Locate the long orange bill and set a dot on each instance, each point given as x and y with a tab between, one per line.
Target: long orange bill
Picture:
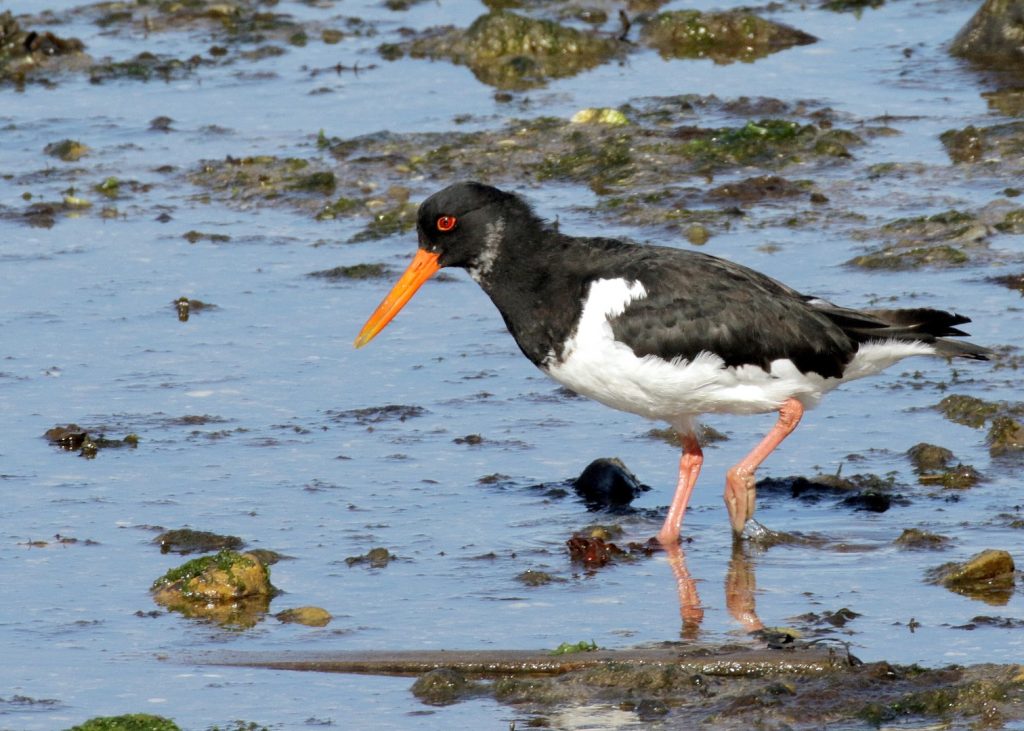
423	266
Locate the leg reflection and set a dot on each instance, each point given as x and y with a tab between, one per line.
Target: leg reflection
690	608
740	585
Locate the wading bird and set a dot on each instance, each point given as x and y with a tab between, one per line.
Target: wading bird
668	334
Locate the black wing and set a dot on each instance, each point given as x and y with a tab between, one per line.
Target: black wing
698	303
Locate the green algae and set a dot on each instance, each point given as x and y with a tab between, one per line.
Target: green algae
724	37
128	722
568	648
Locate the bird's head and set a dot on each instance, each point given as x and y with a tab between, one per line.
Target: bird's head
460	226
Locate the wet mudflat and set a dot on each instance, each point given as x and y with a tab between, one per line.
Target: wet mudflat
261	163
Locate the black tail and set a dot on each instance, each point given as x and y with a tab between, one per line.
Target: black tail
919	324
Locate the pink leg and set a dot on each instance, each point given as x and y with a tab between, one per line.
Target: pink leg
739	480
689	470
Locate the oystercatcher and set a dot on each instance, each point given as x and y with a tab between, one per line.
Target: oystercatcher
668	334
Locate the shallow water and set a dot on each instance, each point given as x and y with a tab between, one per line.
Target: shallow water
90	336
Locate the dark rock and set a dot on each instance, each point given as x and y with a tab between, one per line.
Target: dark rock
992	37
441	687
185	541
915	538
608	483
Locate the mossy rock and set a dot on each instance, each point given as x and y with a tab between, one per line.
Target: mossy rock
510	51
988	576
309	616
67	150
992	37
186	540
724	37
227	587
442	687
128	722
967	410
1005	436
917	539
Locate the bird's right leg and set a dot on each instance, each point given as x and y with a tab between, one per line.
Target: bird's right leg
689	469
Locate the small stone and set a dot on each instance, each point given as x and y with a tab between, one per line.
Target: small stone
929	457
917	539
1005	436
440	687
309	616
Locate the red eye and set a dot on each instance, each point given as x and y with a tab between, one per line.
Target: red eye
446	223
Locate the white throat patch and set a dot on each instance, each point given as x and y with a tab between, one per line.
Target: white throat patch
494	233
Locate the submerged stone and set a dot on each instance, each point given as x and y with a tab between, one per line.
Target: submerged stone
186	540
992	37
227	587
989	576
67	150
986	145
442	687
929	457
510	51
723	37
1005	436
355	271
967	410
932	464
917	539
309	616
375	558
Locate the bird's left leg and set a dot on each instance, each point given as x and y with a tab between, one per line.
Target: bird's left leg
739	480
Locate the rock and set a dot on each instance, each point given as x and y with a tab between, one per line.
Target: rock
227	587
441	687
994	36
1005	436
608	483
989	576
915	538
929	457
377	558
967	410
309	616
723	37
186	540
531	577
128	722
510	51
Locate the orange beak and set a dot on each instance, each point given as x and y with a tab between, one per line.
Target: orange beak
423	266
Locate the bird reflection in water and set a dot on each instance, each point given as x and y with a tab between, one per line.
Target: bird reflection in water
740	585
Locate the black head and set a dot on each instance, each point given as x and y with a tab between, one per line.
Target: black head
465	223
